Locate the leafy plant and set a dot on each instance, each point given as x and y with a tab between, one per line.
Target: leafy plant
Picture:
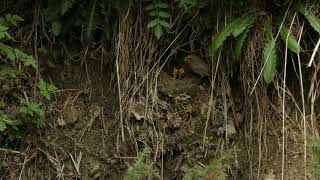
186	4
270	58
46	88
312	19
35	112
235	28
140	169
293	44
6	120
214	170
160	12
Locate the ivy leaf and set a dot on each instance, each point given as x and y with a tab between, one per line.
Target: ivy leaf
164	24
153	23
158	31
312	19
293	44
56	28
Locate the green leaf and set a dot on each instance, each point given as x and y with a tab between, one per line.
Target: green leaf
162	5
46	88
239	44
27	60
153	13
56	28
13	19
2	126
10	72
7	51
312	19
164	24
32	108
236	27
164	14
293	44
4	33
150	7
153	23
270	58
158	31
42	50
241	24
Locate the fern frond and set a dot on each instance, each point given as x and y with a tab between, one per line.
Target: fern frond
242	24
235	28
293	44
270	58
239	44
312	19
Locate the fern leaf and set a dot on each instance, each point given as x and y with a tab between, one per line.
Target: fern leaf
312	19
162	5
293	44
150	7
239	44
153	13
164	14
235	28
153	23
164	24
158	31
270	60
241	24
7	51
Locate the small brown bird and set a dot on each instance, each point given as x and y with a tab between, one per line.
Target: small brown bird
178	73
197	65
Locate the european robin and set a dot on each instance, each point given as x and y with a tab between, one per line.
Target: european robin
197	65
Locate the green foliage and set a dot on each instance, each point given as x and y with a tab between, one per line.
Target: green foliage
312	19
315	163
56	28
6	120
26	59
293	44
34	112
16	69
46	88
239	44
140	169
270	57
235	28
159	11
214	170
186	4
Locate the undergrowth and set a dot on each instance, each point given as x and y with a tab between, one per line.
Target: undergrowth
21	107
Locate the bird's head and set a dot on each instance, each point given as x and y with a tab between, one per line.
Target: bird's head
188	59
